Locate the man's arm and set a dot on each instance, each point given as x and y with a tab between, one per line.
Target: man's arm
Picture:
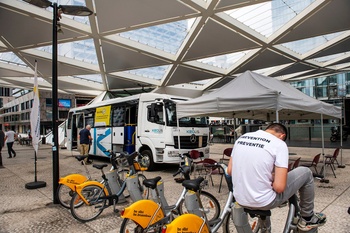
229	167
280	179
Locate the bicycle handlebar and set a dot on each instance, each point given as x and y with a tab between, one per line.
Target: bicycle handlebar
185	170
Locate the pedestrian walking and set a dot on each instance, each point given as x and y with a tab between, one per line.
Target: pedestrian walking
10	137
85	140
2	143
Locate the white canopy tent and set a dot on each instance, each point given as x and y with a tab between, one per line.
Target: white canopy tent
254	96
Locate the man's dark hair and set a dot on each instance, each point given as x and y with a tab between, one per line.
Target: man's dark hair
278	128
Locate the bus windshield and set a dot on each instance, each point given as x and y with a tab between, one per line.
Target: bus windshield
170	111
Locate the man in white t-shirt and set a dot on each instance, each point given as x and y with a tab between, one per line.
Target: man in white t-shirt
10	137
259	168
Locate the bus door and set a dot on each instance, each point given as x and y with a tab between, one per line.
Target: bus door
130	129
153	124
77	124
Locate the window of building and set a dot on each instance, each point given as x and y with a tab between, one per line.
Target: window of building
48	102
62	114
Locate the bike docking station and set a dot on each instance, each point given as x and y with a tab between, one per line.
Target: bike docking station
115	187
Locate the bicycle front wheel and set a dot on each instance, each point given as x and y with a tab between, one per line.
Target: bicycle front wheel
64	195
129	226
96	203
210	204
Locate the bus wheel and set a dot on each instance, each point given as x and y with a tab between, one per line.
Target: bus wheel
147	160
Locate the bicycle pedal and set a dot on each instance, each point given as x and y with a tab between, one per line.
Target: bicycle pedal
295	220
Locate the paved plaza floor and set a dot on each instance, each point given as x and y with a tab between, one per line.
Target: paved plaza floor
32	210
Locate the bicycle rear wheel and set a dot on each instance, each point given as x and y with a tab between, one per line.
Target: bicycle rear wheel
229	227
64	195
210	204
87	212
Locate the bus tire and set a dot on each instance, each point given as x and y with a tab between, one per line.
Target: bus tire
147	160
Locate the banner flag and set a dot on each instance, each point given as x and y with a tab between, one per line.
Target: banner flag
35	113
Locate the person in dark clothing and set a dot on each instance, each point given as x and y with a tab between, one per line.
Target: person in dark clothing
2	143
85	140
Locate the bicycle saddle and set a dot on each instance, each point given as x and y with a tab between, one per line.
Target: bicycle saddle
99	166
80	157
261	213
151	183
193	185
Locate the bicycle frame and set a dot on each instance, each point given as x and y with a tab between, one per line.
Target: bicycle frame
80	187
227	210
241	219
107	189
194	223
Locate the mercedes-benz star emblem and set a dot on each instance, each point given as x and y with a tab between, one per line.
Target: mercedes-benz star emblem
193	138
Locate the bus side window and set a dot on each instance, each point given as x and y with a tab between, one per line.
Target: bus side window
118	116
89	121
80	122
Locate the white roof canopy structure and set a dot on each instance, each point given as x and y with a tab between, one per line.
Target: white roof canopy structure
199	44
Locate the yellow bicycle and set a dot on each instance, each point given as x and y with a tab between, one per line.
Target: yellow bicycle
92	197
66	187
152	215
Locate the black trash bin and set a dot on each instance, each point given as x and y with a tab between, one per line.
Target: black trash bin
43	140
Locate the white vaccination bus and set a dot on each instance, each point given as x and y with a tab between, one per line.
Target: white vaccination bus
145	122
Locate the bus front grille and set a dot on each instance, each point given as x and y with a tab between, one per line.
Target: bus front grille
186	143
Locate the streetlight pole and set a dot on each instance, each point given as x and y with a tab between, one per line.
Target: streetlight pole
55	145
70	10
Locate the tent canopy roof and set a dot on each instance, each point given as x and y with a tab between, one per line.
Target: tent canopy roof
254	96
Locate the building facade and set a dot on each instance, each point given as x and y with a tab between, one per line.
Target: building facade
15	114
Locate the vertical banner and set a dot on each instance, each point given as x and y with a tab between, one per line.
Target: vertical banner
35	114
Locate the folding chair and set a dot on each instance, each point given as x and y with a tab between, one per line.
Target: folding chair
313	163
290	166
330	160
197	164
226	155
296	163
